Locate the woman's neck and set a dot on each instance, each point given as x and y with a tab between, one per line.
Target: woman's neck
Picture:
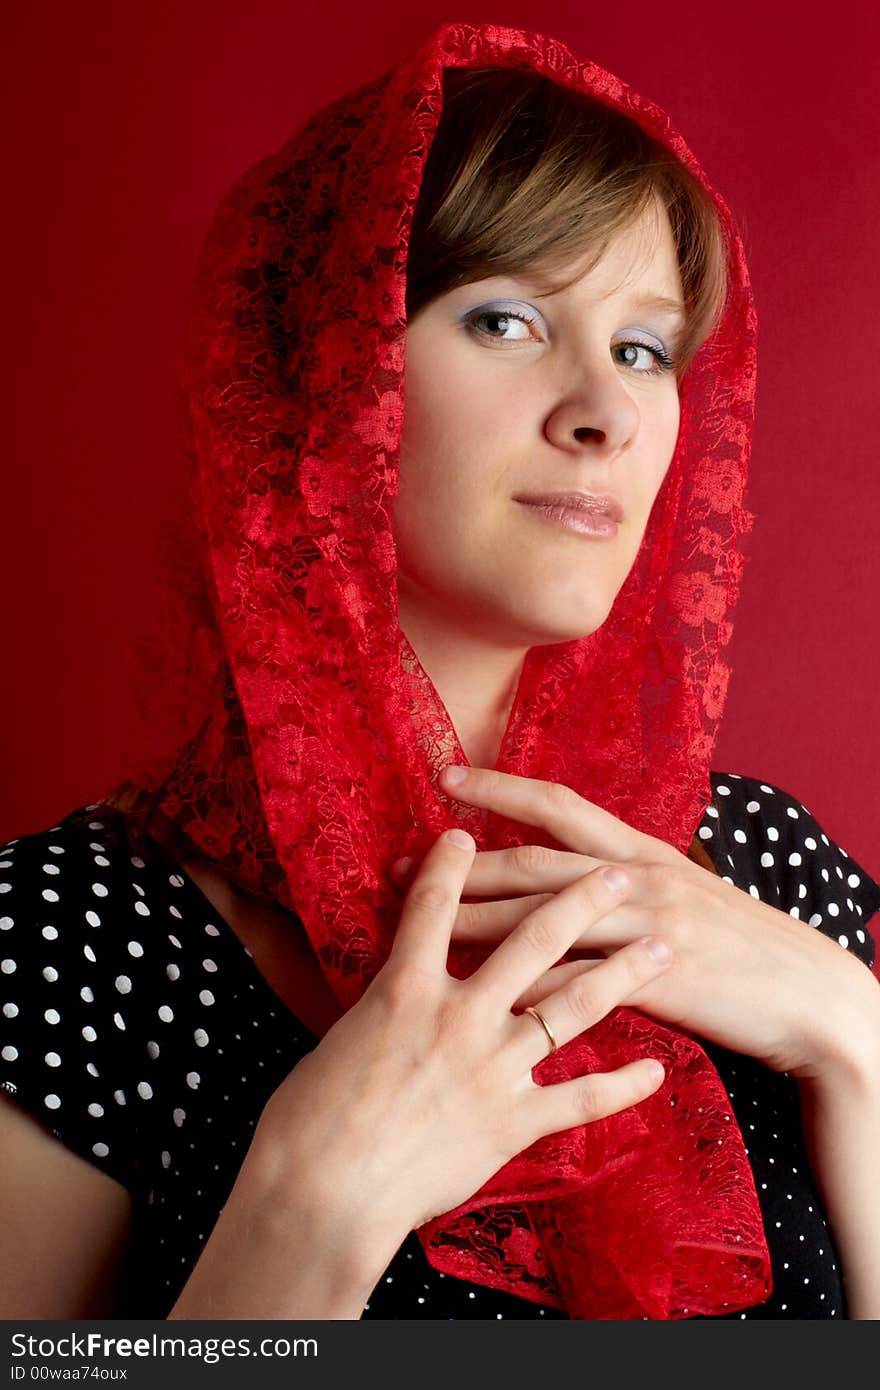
475	678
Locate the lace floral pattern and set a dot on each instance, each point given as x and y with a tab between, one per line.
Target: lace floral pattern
294	737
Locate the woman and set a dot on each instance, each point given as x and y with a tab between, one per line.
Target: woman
433	1095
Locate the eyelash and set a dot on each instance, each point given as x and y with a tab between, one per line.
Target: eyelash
664	363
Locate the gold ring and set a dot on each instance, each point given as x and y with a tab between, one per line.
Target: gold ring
545	1025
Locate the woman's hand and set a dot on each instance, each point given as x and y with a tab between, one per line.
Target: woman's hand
423	1089
745	975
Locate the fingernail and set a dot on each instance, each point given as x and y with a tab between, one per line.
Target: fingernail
460	838
616	879
656	1071
657	949
454	774
401	866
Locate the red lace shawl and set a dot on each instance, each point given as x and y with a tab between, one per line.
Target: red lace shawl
297	740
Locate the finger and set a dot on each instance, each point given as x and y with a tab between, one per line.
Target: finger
567	1104
522	869
554	979
573	821
493	921
583	1001
425	928
546	934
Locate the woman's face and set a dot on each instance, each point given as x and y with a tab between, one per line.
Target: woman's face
575	399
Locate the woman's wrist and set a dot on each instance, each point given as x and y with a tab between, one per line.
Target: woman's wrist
278	1251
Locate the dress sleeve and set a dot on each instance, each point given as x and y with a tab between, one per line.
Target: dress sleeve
62	1047
774	847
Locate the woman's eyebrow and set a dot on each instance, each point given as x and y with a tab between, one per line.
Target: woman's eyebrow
659	302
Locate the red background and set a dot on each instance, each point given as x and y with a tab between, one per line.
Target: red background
126	124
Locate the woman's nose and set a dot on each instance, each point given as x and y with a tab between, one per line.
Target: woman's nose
598	415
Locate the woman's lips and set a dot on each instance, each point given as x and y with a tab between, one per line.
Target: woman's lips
587	523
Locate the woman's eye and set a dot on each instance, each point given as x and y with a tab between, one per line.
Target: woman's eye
644	357
499	322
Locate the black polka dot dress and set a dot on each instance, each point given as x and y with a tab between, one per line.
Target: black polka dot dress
136	1027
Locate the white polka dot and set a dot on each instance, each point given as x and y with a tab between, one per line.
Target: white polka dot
767	860
86	994
96	825
844	940
50	895
142	909
5	887
96	1109
99	890
201	1037
211	930
165	1013
9	1053
135	948
173	972
123	984
52	1016
193	1079
50	933
92	1069
119	1021
205	996
772	832
810	842
179	1116
11	1010
795	859
89	1033
100	1150
833	909
790	811
51	869
119	1097
740	836
101	861
93	919
816	919
138	863
52	1101
753	891
174	941
209	965
52	1059
153	1050
6	923
753	806
860	936
174	913
704	832
853	880
176	881
144	1090
49	972
8	966
166	1159
89	954
56	849
794	912
768	790
722	791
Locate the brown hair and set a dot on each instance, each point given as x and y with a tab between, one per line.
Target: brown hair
524	174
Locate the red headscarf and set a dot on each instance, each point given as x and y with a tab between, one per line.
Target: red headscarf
297	740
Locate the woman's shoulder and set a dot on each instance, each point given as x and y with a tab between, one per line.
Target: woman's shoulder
74	918
766	841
